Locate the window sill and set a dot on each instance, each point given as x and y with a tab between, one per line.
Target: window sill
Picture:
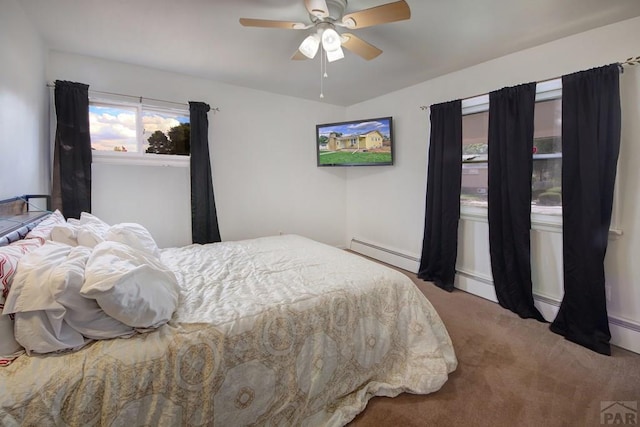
550	222
141	160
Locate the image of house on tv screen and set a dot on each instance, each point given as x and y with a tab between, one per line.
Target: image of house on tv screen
355	143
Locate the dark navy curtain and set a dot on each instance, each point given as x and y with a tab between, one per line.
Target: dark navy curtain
442	210
204	219
71	184
591	126
511	113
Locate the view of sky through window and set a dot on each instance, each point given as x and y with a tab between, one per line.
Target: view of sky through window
114	127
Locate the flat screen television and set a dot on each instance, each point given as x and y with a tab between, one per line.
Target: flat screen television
366	142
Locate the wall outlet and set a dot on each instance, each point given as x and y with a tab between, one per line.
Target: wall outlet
607	292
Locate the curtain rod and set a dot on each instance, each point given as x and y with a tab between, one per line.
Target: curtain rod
634	60
140	98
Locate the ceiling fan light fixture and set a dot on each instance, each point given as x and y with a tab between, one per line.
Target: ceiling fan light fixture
309	46
330	40
334	55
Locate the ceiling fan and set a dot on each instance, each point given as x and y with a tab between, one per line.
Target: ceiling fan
325	16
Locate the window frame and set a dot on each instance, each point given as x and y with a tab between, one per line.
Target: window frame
545	91
140	157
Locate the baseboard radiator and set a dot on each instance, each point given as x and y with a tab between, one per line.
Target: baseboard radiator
624	333
386	255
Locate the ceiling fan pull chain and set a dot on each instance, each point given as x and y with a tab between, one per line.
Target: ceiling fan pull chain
324	59
321	74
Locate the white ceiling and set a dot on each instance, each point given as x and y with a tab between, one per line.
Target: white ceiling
203	38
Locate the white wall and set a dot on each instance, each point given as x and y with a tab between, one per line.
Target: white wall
397	194
23	114
262	150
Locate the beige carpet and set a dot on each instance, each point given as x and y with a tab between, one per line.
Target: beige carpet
511	372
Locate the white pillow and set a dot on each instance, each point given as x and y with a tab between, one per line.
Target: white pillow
87	218
82	314
90	233
39	319
134	235
130	285
10	255
90	229
32	275
10	349
43	331
43	229
65	233
89	237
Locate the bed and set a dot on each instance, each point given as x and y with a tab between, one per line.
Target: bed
272	331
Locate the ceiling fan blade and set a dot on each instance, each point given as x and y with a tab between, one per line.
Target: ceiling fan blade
359	46
298	56
265	23
390	12
317	8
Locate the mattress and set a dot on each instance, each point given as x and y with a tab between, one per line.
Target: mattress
278	330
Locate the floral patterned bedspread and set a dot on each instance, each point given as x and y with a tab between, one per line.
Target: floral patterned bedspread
276	331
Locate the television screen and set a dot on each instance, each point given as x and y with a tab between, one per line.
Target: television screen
367	142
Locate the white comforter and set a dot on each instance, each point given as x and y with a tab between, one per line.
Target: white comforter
271	331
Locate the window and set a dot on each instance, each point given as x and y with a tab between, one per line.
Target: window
475	151
546	180
547	151
128	131
113	128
